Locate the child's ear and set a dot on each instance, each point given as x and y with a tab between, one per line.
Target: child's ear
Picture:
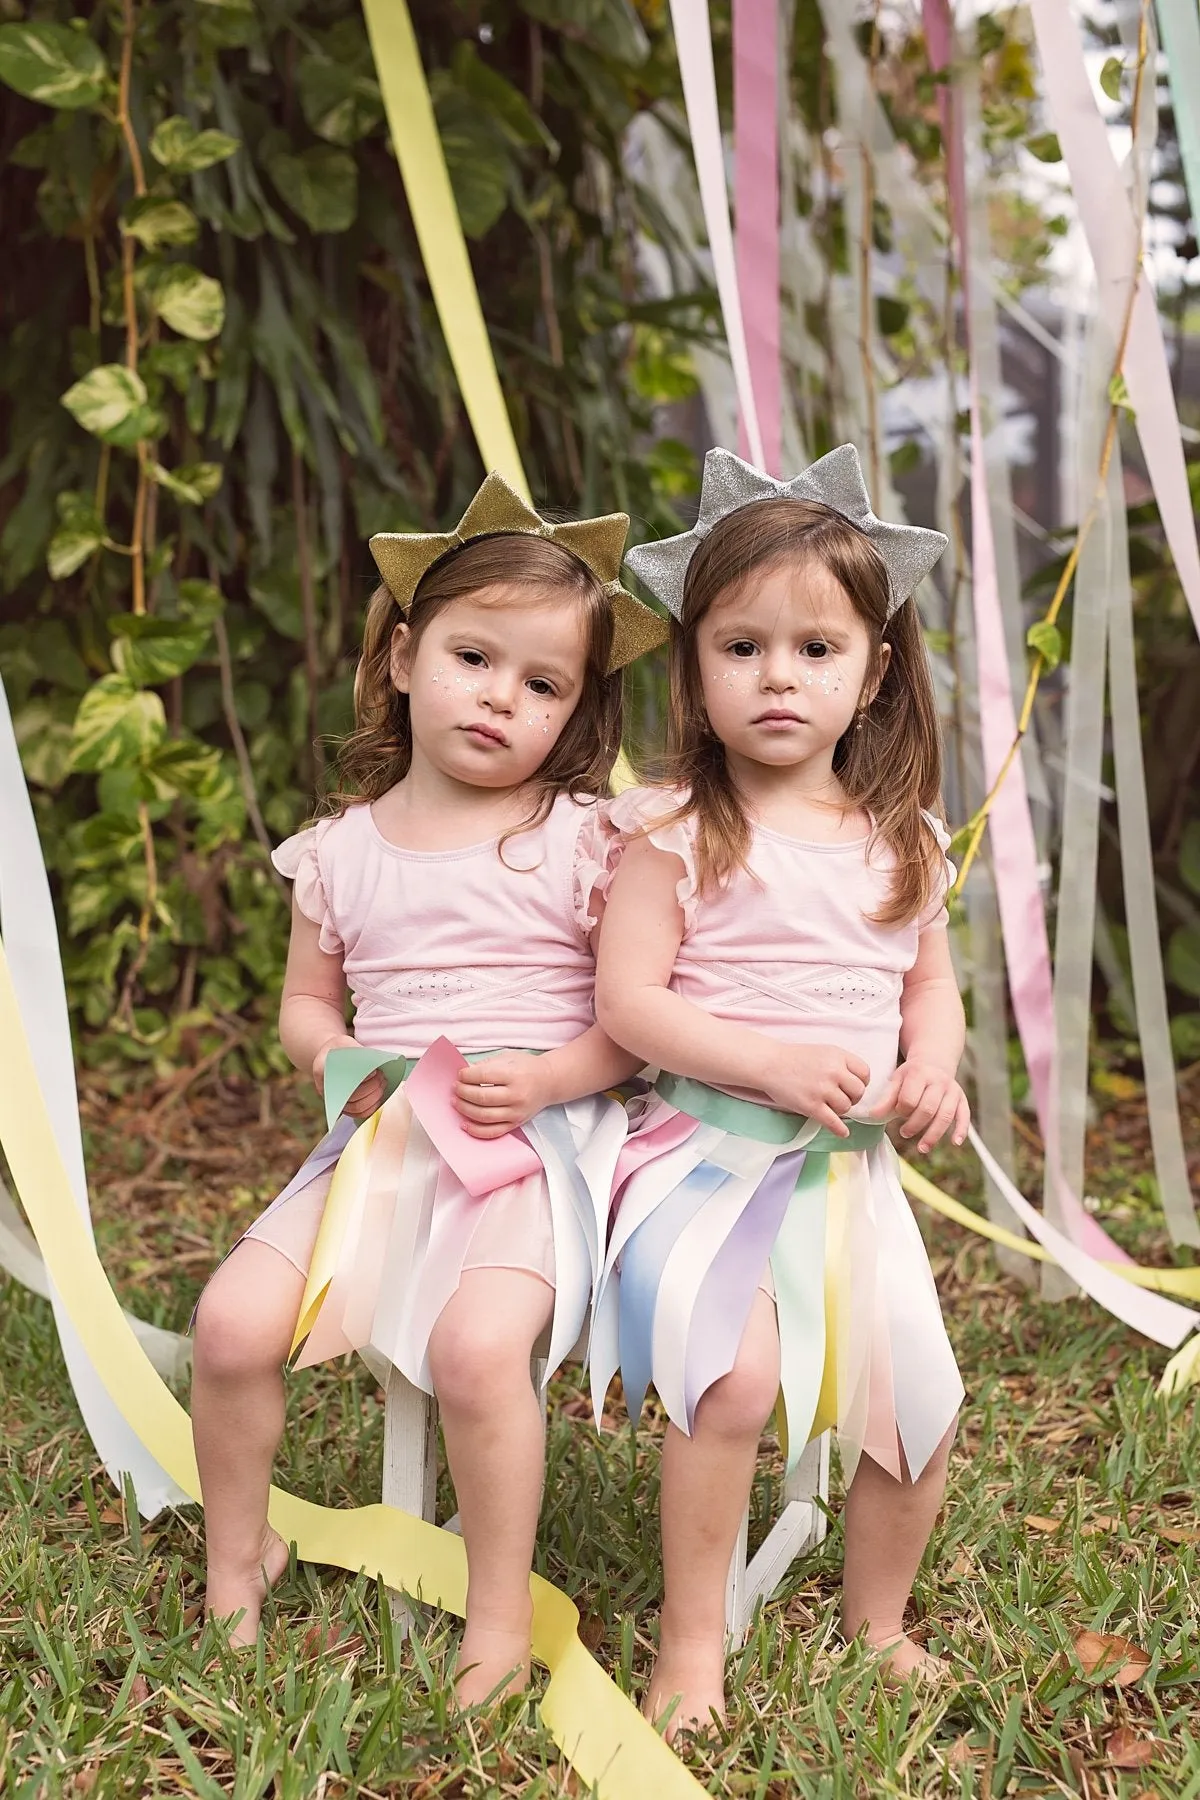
401	658
873	686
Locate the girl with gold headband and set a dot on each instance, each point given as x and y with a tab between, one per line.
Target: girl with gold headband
455	891
774	942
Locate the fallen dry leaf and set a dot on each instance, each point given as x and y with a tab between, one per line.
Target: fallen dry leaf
961	1752
1117	1659
1126	1750
329	1642
139	1691
1037	1522
1178	1534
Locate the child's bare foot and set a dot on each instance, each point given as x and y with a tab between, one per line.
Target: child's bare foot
492	1663
245	1591
902	1661
694	1670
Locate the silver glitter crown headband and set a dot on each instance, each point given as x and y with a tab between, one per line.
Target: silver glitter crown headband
908	551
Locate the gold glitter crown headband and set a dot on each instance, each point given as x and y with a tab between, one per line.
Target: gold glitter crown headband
908	551
403	557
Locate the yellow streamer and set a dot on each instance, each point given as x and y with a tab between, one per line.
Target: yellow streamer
439	234
1184	1284
601	1732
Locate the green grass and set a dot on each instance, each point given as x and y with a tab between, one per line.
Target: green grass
1071	1507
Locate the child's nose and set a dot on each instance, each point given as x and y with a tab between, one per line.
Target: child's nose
500	691
777	670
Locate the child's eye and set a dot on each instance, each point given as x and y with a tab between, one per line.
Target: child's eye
743	647
815	650
541	687
474	659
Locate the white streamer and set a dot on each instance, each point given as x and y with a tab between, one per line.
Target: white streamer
30	936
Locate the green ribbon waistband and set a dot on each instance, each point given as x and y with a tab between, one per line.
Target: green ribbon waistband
746	1118
349	1065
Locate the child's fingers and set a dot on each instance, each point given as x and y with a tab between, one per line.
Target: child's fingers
825	1115
921	1112
943	1118
497	1095
479	1114
888	1099
487	1131
962	1119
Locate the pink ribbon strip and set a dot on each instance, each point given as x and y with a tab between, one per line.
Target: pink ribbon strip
1112	235
756	213
481	1164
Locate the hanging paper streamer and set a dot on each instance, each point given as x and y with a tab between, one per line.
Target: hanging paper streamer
28	924
756	212
1113	239
1179	24
693	46
439	233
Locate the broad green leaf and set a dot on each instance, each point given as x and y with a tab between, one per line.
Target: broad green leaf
612	26
159	223
478	159
1046	641
506	103
276	593
893	314
1189	856
151	650
1185	1037
190	303
320	184
1110	77
661	366
179	146
80	534
672	467
191	483
1183	959
340	104
116	723
182	766
200	602
45	742
1045	146
106	399
52	63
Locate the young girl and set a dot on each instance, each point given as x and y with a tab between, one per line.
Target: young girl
774	932
453	896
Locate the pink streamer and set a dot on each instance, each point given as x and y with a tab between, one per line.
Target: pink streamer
756	213
481	1164
1014	848
1112	235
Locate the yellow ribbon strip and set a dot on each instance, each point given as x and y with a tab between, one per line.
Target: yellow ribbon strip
439	234
1183	1283
596	1727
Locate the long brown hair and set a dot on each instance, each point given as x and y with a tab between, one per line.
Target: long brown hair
890	761
378	752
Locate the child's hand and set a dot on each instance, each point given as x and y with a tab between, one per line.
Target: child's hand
819	1081
929	1100
367	1097
501	1092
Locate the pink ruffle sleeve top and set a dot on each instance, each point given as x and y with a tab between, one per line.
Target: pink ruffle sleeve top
490	949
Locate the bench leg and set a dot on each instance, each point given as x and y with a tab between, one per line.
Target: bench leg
800	1526
410	1443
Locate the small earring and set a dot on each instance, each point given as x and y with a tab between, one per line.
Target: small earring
859	717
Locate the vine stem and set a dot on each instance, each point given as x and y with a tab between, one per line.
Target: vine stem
977	825
308	604
128	252
865	297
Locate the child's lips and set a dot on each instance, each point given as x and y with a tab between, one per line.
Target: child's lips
778	718
487	734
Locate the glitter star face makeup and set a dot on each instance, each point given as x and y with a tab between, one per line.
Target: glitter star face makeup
784	664
492	682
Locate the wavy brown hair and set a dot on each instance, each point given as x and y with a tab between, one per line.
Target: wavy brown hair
378	752
889	763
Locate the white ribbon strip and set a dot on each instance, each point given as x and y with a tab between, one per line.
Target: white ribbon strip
693	44
30	936
1113	239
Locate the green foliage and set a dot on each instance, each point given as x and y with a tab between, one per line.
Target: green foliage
222	370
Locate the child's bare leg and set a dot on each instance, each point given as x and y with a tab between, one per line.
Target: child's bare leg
706	1482
244	1327
888	1523
479	1355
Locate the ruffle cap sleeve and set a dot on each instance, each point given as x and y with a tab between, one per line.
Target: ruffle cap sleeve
299	859
935	913
645	812
594	863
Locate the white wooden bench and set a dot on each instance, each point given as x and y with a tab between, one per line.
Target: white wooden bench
410	1469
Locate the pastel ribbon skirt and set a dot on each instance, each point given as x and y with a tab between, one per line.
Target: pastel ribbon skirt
383	1230
715	1198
